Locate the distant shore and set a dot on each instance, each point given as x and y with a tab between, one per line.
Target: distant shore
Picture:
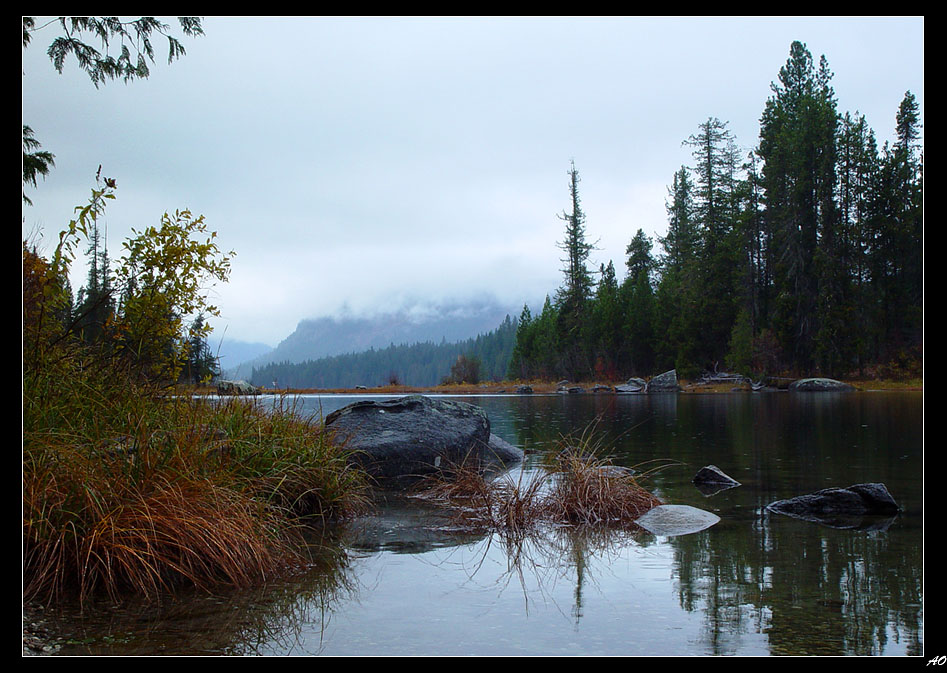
549	387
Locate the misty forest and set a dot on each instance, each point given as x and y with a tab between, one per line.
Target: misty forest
801	256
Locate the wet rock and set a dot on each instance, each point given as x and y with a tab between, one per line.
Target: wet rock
236	388
671	520
399	441
616	471
500	452
840	507
664	383
524	390
820	385
710	479
632	385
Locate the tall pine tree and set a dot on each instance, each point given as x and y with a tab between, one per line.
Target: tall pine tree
573	297
797	146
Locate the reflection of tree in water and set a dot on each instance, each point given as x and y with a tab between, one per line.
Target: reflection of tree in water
576	547
551	554
724	582
813	590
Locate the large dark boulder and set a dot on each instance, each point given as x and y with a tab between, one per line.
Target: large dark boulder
840	507
399	441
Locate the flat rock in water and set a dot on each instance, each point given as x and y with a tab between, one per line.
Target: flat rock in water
676	520
500	452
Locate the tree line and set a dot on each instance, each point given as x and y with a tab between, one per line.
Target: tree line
802	255
482	358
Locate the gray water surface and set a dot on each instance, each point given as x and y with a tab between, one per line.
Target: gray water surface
404	582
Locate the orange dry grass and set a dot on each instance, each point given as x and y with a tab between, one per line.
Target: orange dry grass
115	536
590	491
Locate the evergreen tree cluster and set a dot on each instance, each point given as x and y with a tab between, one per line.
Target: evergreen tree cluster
419	364
802	255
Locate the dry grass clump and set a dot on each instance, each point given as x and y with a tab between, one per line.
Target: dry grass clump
575	487
593	491
147	540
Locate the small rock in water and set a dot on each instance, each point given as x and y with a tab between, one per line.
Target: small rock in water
673	520
710	480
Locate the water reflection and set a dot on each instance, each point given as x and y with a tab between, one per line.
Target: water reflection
810	589
407	581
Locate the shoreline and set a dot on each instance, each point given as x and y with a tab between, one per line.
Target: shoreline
548	388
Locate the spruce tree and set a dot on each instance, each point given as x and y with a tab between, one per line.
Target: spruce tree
715	271
797	146
606	325
639	308
675	297
572	298
95	303
520	366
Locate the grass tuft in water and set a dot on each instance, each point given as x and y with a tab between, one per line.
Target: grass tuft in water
575	487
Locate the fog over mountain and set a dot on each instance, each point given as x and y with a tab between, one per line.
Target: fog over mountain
321	337
231	353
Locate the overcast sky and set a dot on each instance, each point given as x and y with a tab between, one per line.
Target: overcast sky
356	164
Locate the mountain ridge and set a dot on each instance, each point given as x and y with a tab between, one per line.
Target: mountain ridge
329	336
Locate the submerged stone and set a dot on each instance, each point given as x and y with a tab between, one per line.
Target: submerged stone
673	520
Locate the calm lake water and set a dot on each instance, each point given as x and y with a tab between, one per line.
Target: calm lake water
402	582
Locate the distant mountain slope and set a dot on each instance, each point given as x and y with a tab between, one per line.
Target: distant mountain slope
319	338
418	364
231	353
